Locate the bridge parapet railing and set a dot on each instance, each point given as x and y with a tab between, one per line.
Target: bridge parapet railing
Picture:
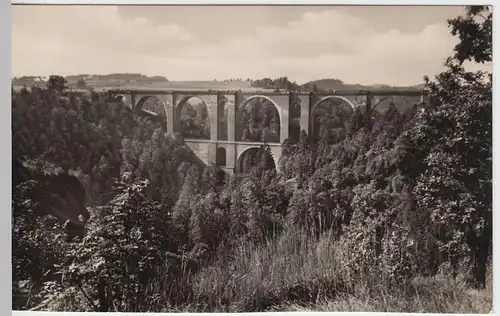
274	93
208	141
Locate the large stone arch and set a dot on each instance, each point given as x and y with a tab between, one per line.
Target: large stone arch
211	119
330	97
374	106
241	107
401	97
140	103
333	97
159	116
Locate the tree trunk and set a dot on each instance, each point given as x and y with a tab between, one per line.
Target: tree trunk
481	252
103	299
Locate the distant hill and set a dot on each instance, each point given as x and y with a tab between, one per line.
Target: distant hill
140	81
93	80
419	86
121	77
336	84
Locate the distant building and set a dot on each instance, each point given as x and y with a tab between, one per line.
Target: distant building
39	81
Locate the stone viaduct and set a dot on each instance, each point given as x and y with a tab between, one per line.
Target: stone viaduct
228	153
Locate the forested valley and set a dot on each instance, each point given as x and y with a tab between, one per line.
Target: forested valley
387	212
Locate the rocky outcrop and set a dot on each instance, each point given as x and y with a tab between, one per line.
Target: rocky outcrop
54	192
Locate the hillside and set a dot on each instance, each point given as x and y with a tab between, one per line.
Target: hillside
94	80
140	81
116	76
336	84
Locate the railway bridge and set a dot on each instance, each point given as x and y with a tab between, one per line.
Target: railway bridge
228	151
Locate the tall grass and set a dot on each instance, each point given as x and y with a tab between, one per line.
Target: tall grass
299	272
429	295
293	267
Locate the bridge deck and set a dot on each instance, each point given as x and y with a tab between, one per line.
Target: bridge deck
207	141
269	93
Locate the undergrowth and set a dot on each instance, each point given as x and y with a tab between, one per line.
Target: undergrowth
298	272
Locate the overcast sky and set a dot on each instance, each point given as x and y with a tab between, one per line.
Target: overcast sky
357	44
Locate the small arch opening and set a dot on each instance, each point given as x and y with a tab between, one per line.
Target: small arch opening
255	157
118	98
220	157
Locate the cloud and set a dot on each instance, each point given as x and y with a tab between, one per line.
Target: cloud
334	44
326	44
52	34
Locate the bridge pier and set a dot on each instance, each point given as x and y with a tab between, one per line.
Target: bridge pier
304	112
231	157
231	120
168	103
283	104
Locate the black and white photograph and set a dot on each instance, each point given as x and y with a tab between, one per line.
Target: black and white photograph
251	158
